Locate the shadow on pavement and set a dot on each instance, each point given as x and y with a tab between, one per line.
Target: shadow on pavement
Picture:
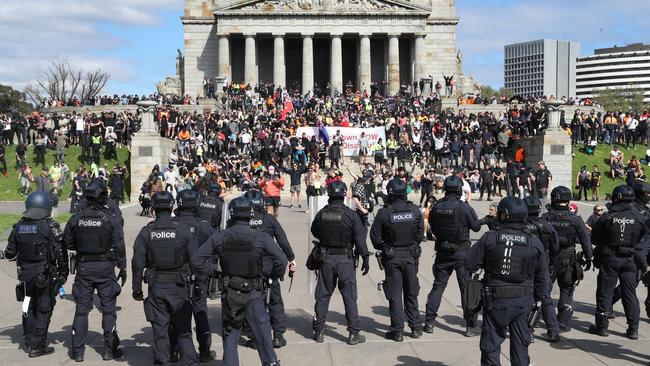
608	349
412	361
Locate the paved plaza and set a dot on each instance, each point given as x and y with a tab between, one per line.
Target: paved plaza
446	346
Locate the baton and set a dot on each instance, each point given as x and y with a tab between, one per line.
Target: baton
291	273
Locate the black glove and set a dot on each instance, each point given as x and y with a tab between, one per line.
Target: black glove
61	279
122	276
138	295
365	266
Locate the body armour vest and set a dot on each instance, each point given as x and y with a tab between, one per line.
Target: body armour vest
208	210
93	233
257	222
32	240
447	220
239	257
623	229
166	250
193	225
536	228
512	259
332	232
563	224
403	228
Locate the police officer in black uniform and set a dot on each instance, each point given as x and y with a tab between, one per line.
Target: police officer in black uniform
187	201
95	234
617	235
516	268
339	230
110	205
36	244
267	223
569	227
546	233
164	247
450	221
211	206
240	249
398	231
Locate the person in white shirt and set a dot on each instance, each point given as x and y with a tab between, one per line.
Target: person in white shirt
245	138
171	180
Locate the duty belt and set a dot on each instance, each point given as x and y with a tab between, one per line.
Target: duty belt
499	292
449	246
337	251
399	252
619	252
95	257
167	277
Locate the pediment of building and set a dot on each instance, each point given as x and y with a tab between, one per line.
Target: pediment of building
324	7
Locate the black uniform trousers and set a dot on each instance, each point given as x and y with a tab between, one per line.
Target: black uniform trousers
563	273
402	284
501	315
258	320
91	276
613	269
37	320
618	294
548	310
168	305
276	308
200	314
336	270
445	263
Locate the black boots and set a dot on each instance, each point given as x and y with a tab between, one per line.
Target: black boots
278	340
319	336
355	338
394	335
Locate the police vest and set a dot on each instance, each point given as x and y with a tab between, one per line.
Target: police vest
403	228
209	210
193	225
93	234
238	255
166	250
32	240
512	259
563	224
332	232
257	222
536	228
622	229
447	218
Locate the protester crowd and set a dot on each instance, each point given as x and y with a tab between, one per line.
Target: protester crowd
114	100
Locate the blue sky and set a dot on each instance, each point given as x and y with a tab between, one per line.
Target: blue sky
136	40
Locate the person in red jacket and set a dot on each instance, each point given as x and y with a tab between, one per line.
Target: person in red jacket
272	184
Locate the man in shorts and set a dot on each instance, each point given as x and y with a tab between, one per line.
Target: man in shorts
272	184
295	173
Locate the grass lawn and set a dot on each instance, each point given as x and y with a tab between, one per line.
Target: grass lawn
601	158
9	186
8	220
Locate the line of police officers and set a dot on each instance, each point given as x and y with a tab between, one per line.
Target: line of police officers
521	256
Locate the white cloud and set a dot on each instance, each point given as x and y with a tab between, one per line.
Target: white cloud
486	27
34	31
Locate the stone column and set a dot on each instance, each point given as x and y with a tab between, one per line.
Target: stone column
250	60
224	58
336	64
365	74
393	64
418	69
307	63
279	68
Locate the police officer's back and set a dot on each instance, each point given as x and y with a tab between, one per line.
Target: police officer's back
240	249
618	235
546	233
450	221
262	220
339	231
109	205
95	234
164	247
211	206
36	244
516	268
565	267
188	201
397	232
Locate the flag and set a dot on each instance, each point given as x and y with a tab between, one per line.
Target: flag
323	135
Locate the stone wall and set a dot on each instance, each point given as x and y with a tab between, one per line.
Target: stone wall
201	54
554	148
147	150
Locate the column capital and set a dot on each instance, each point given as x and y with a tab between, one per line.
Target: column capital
308	35
417	35
250	35
366	35
336	35
394	35
278	35
224	35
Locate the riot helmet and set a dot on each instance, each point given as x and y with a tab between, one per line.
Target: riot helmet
622	193
512	210
241	208
187	199
38	206
396	187
257	199
642	192
560	195
162	201
533	205
453	185
337	190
